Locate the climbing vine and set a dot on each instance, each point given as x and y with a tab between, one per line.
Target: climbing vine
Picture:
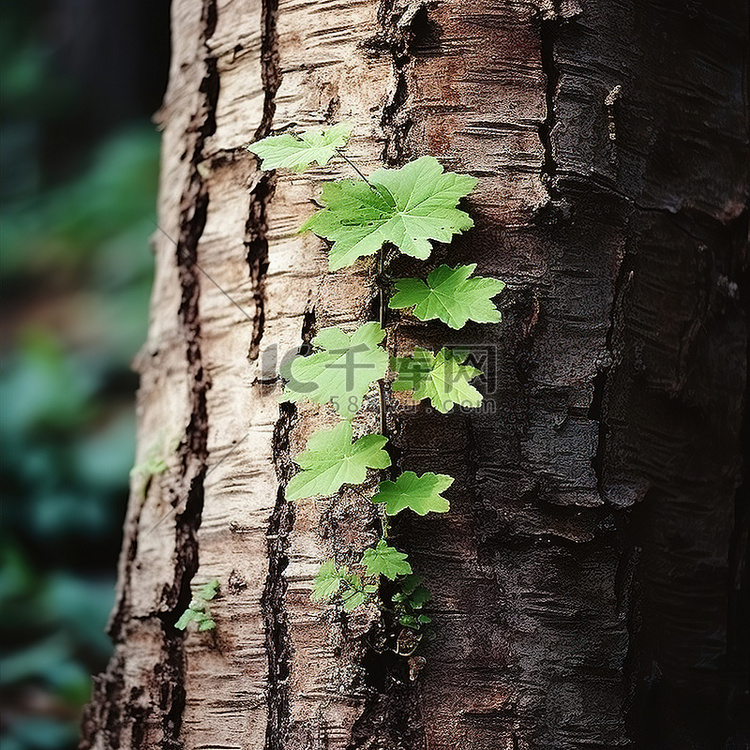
402	211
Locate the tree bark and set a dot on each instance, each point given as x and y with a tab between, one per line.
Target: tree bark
588	584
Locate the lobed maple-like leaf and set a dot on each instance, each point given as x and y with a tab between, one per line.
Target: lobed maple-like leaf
328	581
439	377
297	152
420	494
450	295
386	561
407	207
332	460
341	369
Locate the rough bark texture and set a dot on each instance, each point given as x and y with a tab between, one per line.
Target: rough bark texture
589	582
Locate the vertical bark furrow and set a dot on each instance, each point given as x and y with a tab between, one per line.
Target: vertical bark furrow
281	522
548	33
278	642
270	71
194	451
256	243
399	26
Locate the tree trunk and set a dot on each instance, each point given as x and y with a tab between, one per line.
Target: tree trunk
588	583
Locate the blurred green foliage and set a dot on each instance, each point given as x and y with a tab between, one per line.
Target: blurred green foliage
76	276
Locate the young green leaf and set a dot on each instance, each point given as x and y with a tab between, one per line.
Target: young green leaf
439	377
409	621
419	598
340	371
297	152
409	585
386	561
420	494
209	590
332	460
356	592
328	581
352	599
186	617
407	207
450	295
198	608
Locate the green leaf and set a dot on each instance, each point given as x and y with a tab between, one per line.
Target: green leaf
357	593
342	369
352	599
208	591
407	207
419	598
450	295
420	494
439	377
153	465
409	621
297	152
410	584
186	617
328	581
332	460
198	608
386	561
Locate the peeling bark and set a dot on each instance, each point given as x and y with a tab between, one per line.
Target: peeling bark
590	582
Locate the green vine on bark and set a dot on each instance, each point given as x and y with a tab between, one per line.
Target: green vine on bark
406	209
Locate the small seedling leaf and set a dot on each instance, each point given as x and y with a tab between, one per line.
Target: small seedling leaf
332	460
386	561
185	618
328	581
450	295
340	370
297	152
440	377
420	494
352	599
208	591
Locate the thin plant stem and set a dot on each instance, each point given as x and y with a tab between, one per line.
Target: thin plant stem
357	170
382	311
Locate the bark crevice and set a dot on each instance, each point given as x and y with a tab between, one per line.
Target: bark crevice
270	71
193	452
262	190
401	23
278	640
256	243
548	29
